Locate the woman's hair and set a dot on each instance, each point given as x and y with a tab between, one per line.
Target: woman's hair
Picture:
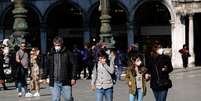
131	65
133	58
102	53
154	49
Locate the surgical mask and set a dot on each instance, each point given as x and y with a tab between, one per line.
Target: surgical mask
160	51
57	48
138	63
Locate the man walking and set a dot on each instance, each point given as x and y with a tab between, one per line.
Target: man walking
61	70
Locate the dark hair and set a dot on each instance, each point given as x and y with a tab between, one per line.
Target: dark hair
102	53
185	46
135	56
58	40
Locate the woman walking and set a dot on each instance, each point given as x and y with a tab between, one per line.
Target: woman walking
136	76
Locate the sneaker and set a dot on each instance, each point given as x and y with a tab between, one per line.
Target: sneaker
20	94
28	95
36	94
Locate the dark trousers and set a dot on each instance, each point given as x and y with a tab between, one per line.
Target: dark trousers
160	95
185	61
21	82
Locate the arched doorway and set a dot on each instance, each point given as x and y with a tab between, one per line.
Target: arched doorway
152	23
33	21
65	20
118	24
197	38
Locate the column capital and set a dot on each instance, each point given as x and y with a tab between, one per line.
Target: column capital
191	16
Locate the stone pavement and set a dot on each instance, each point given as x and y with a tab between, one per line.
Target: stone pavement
186	87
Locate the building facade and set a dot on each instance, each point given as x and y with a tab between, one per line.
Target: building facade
173	22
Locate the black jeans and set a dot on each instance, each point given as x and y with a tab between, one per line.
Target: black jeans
185	61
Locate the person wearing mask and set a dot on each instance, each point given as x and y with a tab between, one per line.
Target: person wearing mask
22	59
137	76
102	80
35	72
159	67
61	70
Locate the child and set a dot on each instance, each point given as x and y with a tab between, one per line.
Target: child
35	85
136	76
102	80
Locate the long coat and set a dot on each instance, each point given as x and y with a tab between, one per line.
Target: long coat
157	63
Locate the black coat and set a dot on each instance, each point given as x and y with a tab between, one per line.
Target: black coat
2	75
68	67
159	62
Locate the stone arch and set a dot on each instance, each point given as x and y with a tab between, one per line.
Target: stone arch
52	6
9	7
37	11
164	2
8	12
93	6
3	14
118	22
66	19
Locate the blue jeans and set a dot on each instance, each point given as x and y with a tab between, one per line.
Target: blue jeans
137	95
21	83
108	93
160	95
58	89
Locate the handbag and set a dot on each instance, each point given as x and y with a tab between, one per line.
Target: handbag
162	83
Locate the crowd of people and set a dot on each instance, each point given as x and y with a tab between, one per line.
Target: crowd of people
101	65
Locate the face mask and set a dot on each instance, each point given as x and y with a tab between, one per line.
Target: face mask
138	63
160	51
57	48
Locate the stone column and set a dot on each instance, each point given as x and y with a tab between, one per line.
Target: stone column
43	45
130	33
178	39
43	38
1	33
191	41
105	29
86	34
20	25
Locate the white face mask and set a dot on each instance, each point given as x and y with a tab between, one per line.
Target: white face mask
57	48
160	51
138	63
